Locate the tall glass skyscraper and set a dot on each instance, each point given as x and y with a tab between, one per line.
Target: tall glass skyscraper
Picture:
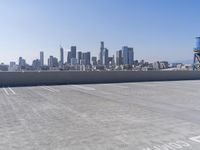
128	55
61	56
73	51
105	57
119	58
101	53
41	59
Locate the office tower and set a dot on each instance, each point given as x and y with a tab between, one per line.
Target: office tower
94	61
113	61
73	51
101	53
79	57
119	58
88	58
36	64
61	56
69	57
130	56
41	59
52	61
105	57
85	59
73	61
127	55
22	62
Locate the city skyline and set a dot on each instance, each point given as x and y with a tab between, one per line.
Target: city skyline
62	55
83	61
73	54
158	30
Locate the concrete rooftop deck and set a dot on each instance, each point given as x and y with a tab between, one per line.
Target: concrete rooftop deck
125	116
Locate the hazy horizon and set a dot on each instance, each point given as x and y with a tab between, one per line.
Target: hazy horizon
157	30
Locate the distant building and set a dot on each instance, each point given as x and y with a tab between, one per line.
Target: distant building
3	67
73	51
88	57
136	62
105	57
22	63
125	55
79	57
160	65
101	53
141	62
61	57
52	62
69	57
188	67
36	64
94	61
13	66
73	61
164	65
85	58
174	65
156	65
111	60
41	59
128	55
119	58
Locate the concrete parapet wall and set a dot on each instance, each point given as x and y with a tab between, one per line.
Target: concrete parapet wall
76	77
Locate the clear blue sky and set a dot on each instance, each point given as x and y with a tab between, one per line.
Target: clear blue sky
157	29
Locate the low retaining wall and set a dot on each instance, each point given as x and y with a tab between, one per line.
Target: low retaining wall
77	77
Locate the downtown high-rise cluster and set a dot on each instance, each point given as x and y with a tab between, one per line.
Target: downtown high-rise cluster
83	61
78	60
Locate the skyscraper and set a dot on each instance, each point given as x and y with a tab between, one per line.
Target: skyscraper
36	64
22	62
73	51
52	61
119	58
94	61
69	57
61	56
79	57
127	55
41	59
88	55
101	53
105	57
130	56
85	59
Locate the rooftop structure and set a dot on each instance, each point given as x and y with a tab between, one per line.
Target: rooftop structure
131	116
196	63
